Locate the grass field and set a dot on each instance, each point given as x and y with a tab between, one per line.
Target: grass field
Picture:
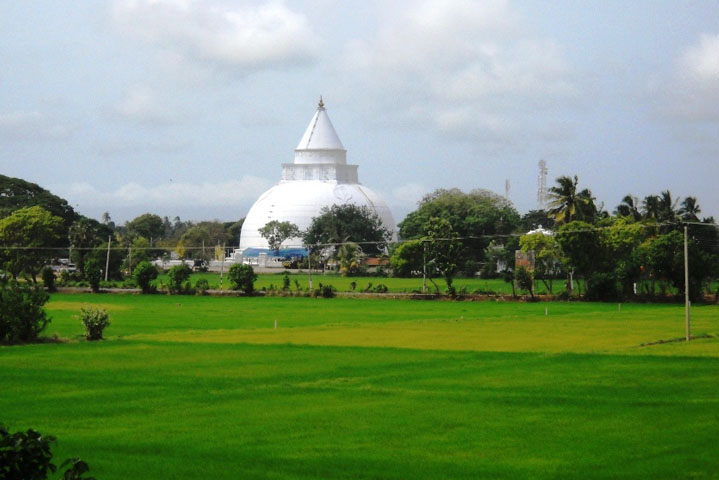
343	284
198	387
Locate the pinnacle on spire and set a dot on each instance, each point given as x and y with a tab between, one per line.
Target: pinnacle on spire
321	104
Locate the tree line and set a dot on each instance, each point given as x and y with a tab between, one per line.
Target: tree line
637	249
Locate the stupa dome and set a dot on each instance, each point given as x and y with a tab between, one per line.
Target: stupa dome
319	177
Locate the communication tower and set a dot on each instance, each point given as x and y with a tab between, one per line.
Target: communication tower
542	185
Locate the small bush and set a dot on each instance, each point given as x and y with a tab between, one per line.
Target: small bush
144	274
178	277
202	286
22	316
26	455
93	274
380	288
242	277
95	320
602	287
324	291
48	278
285	282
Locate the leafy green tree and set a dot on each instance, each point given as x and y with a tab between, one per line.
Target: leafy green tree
198	241
28	235
535	219
178	276
93	273
147	225
144	273
16	194
582	246
479	214
22	317
48	278
84	235
407	259
242	277
525	280
567	203
234	229
276	232
348	223
547	257
443	250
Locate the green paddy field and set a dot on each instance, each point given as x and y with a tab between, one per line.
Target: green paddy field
207	387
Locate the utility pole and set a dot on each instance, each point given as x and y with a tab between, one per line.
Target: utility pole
222	263
687	304
107	260
309	260
424	266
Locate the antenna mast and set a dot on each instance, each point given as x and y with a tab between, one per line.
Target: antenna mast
542	185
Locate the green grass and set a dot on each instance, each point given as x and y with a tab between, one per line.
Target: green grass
395	285
197	387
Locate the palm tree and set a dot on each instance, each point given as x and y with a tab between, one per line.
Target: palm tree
566	204
650	207
667	207
629	207
690	210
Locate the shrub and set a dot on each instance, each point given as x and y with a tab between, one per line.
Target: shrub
144	273
22	316
95	320
26	455
242	277
178	277
202	286
380	288
324	291
602	287
48	278
285	282
93	273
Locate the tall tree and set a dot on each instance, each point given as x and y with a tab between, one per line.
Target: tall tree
276	232
29	235
689	210
651	208
477	216
348	223
147	225
567	203
443	250
629	207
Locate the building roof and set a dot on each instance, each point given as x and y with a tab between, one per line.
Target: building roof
320	134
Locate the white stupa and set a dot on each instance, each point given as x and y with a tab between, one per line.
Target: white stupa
319	177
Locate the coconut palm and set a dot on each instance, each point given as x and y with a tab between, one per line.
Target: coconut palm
689	210
567	204
629	207
650	207
667	207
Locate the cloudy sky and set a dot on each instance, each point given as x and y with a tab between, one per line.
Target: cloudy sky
187	108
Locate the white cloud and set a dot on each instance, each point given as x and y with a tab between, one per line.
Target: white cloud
702	60
693	94
173	194
30	126
218	34
141	104
469	69
408	195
